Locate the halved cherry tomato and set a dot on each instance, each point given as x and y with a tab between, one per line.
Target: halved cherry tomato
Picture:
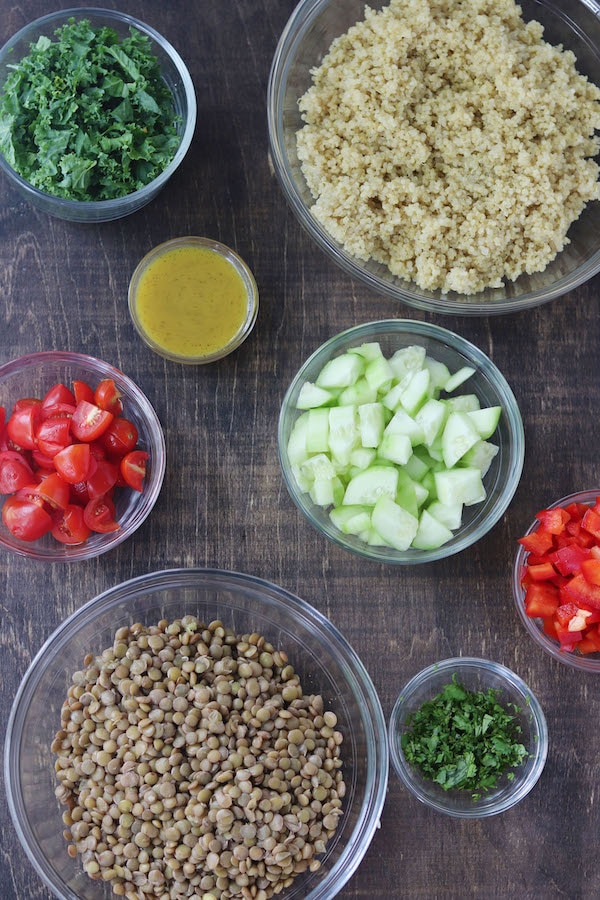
73	463
25	520
69	526
99	515
22	426
133	468
54	491
120	437
82	391
89	421
53	435
15	472
58	393
103	479
107	396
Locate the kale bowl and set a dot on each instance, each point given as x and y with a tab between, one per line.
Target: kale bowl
468	737
97	111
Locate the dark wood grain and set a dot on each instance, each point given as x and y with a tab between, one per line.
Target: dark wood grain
224	503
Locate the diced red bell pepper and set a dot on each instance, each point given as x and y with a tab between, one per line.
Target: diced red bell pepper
544	571
568	640
590	569
591	523
541	600
538	542
565	613
553	520
568	559
582	592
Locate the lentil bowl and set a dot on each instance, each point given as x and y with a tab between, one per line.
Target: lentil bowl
323	662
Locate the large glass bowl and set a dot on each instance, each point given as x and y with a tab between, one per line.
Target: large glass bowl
32	376
320	655
487	383
589	662
306	39
176	77
475	675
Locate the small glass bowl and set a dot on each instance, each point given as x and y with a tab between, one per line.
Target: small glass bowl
305	40
176	77
584	662
238	265
323	659
33	375
475	675
487	383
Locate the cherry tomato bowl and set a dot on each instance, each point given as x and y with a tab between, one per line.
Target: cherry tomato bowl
82	456
556	580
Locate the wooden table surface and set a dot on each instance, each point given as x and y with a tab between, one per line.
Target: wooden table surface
224	503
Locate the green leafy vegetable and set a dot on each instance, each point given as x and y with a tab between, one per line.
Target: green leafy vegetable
464	739
87	116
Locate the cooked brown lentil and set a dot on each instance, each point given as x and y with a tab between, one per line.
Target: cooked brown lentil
192	763
450	142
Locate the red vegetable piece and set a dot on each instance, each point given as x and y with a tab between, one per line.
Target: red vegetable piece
82	391
69	527
591	523
99	515
107	396
25	520
22	425
590	569
58	394
541	600
54	491
89	421
582	592
53	435
133	469
538	542
543	571
568	559
103	479
120	437
15	471
553	520
73	463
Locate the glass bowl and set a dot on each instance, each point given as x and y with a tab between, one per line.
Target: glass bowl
322	658
307	37
33	375
176	77
534	627
475	675
487	383
200	298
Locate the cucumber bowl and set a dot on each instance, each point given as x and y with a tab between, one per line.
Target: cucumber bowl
400	441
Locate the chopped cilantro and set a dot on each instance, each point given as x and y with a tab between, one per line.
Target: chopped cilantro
464	739
87	116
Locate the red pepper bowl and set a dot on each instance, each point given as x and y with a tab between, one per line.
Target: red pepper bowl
32	376
565	647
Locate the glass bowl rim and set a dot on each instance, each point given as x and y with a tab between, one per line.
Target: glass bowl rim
148	497
509	678
354	671
480	359
106	207
573	660
297	25
225	252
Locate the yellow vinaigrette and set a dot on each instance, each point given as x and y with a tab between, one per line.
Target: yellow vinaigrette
191	301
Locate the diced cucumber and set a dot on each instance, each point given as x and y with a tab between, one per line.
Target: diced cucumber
460	486
394	524
362	457
416	468
392	399
351	519
410	494
458	378
448	515
430	419
379	374
341	371
369	350
408	359
311	395
368	486
343	433
395	447
304	483
415	394
463	403
431	533
485	420
355	394
296	447
371	423
439	372
318	468
402	423
317	431
459	435
481	456
327	491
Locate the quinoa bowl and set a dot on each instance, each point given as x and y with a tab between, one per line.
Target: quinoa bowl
82	648
401	196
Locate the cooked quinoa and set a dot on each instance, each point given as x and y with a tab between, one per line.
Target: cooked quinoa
450	142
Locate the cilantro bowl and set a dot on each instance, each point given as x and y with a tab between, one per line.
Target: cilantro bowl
491	732
105	144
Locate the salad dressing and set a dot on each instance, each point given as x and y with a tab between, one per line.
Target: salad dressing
191	301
